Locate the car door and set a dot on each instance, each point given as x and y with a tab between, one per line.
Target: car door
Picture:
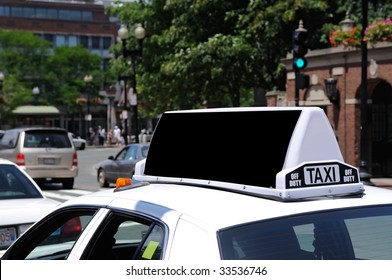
126	164
126	236
114	165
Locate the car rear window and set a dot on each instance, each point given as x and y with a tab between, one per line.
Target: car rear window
15	185
356	233
47	139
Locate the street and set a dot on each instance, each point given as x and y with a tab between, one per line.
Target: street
86	182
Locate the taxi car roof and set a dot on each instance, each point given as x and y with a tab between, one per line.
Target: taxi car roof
276	138
207	205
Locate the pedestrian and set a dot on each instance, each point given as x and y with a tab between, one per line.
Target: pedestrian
101	135
91	136
117	135
110	137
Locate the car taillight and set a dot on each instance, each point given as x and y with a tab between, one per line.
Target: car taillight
75	160
20	159
72	228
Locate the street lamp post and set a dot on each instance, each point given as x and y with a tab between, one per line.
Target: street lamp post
36	95
88	79
347	24
363	165
2	100
124	114
139	35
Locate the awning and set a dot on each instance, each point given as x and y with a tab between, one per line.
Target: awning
36	110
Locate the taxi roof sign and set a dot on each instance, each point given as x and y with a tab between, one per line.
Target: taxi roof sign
282	152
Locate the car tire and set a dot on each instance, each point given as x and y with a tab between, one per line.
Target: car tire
82	146
68	183
103	183
40	182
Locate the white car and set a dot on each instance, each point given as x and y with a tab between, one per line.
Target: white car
289	197
21	203
80	143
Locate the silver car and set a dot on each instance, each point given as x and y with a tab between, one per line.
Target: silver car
46	154
121	165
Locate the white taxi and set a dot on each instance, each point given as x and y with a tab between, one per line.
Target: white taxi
22	203
290	197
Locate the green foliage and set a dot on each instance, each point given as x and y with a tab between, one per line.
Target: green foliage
28	61
200	52
68	67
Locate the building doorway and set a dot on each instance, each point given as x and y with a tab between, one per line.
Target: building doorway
381	145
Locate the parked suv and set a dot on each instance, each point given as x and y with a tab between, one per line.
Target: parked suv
46	154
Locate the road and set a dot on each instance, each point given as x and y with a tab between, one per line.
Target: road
86	182
88	160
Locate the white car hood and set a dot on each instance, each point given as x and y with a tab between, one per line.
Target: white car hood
21	211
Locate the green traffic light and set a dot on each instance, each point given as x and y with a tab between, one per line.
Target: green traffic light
300	63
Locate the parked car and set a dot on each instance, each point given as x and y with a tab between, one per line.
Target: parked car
79	142
21	203
291	197
121	165
46	154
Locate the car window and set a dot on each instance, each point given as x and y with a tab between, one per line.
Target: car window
144	151
132	153
125	238
360	233
15	185
9	140
47	139
122	154
53	238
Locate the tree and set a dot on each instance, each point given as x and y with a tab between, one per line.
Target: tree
28	61
68	67
21	59
218	50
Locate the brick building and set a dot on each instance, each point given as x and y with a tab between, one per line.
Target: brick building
344	112
67	23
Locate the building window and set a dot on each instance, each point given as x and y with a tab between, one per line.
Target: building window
51	13
72	41
46	13
107	42
28	12
84	41
40	13
4	11
95	42
60	40
87	15
49	38
17	11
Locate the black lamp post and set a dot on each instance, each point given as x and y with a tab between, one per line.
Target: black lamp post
2	100
123	35
88	80
363	154
36	95
363	164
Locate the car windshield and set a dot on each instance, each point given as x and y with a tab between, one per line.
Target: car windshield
357	233
14	184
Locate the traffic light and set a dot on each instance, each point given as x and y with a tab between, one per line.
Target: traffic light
300	48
